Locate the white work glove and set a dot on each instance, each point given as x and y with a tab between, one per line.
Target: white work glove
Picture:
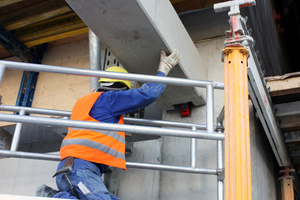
168	62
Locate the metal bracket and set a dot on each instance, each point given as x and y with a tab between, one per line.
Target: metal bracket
233	6
113	186
236	34
221	174
128	148
244	40
14	46
25	96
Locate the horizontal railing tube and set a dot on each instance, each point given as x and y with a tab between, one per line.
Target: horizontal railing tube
172	168
40	111
163	123
114	75
110	126
2	70
127	120
51	157
21	154
17	134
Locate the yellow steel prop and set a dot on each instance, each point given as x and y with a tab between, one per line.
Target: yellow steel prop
237	131
287	187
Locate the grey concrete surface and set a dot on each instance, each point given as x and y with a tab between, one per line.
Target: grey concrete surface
5	139
22	176
37	138
176	151
264	167
139	183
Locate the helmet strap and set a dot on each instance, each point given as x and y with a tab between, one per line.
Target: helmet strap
111	87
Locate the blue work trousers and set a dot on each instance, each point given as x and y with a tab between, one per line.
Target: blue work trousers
86	179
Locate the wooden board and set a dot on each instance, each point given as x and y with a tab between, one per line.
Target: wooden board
8	2
68	40
284	87
32	14
59	91
10	87
4	53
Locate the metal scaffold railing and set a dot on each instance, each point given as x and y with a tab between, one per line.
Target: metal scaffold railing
194	131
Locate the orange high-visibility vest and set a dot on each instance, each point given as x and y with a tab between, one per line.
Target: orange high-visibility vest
98	146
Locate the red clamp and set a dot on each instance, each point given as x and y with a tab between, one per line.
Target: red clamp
185	109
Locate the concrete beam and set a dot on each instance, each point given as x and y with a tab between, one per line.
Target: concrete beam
205	24
289	123
135	31
287	109
292	137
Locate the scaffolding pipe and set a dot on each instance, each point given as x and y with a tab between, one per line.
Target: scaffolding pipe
17	134
210	126
172	168
2	70
111	126
153	122
220	166
114	75
21	154
95	56
40	111
127	120
51	157
193	149
210	108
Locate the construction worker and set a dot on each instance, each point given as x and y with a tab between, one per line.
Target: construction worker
86	154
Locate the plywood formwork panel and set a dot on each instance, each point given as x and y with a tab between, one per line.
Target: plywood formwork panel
10	87
53	91
135	31
60	91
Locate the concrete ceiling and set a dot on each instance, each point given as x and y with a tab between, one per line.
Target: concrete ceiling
35	22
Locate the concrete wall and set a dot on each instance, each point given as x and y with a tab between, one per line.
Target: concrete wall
22	176
265	170
5	139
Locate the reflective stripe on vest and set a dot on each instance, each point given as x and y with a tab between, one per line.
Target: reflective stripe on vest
113	134
94	145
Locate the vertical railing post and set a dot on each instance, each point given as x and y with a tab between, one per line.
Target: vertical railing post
193	149
210	108
95	56
220	166
17	134
2	70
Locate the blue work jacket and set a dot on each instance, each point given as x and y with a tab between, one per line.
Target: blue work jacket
112	104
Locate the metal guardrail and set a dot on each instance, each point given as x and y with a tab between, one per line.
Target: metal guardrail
104	74
193	133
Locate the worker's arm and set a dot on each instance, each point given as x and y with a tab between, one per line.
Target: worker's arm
111	104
